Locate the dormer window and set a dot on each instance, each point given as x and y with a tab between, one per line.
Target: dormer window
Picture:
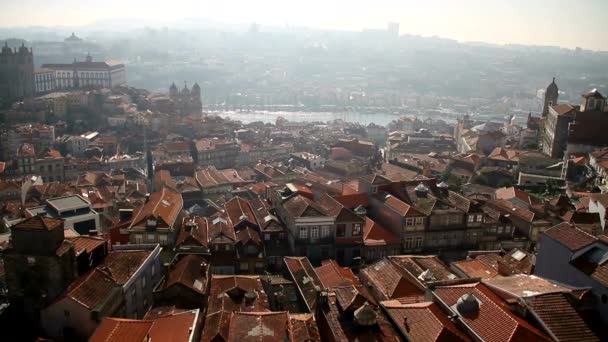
151	223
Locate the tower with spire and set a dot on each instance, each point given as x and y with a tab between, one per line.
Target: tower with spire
17	68
186	101
551	95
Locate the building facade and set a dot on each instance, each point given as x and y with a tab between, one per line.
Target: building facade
107	74
16	74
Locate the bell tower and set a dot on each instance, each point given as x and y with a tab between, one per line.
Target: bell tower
551	96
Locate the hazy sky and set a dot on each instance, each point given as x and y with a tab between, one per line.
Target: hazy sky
567	23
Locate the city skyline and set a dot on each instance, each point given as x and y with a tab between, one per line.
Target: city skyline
539	22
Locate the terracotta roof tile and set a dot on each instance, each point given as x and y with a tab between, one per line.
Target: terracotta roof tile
561	319
87	243
38	222
388	281
227	294
331	275
304	328
93	288
119	329
170	328
197	235
306	279
191	272
475	269
423	322
164	205
239	210
260	326
493	321
569	236
376	235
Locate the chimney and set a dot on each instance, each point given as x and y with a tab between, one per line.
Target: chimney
407	327
147	197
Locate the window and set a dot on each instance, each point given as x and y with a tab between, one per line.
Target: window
303	233
409	243
226	247
374	189
153	269
151	237
145	303
139	238
356	229
66	313
143	281
340	230
479	218
314	232
409	221
324	232
419	221
507	229
267	237
244	266
419	242
500	230
162	239
471	218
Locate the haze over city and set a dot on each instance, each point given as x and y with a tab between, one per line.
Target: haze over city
537	22
303	171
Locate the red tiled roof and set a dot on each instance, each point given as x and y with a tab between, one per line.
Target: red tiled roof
563	108
522	285
331	275
376	235
92	289
164	205
227	294
424	322
569	236
198	235
119	329
389	281
493	321
507	207
38	222
475	269
509	193
561	319
417	264
352	201
305	278
174	328
260	326
170	328
191	272
304	328
121	265
298	206
239	210
87	243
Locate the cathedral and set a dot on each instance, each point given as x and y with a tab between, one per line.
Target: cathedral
186	101
16	74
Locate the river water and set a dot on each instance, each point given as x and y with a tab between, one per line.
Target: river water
381	119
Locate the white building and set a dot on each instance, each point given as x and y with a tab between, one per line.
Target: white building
44	80
75	211
107	74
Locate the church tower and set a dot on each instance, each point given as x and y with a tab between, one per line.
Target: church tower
173	90
551	96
